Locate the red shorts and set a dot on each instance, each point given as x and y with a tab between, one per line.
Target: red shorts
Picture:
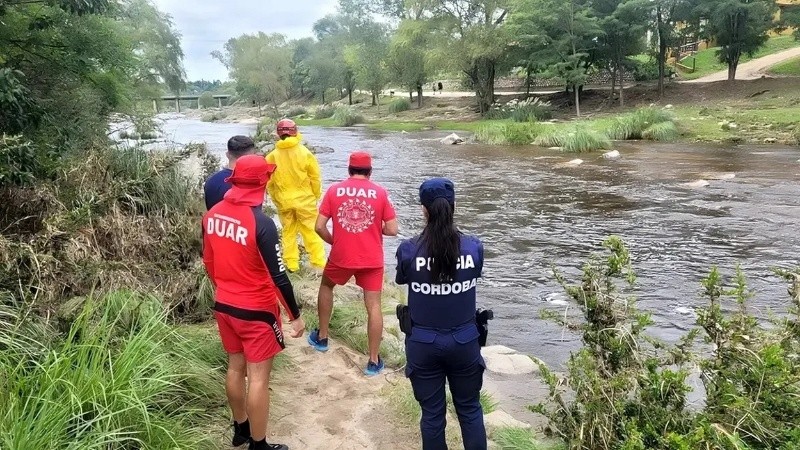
257	334
367	279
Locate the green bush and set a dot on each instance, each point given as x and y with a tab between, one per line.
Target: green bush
324	112
297	111
112	389
627	390
508	133
207	100
633	125
346	116
583	139
399	105
214	116
664	131
18	161
552	137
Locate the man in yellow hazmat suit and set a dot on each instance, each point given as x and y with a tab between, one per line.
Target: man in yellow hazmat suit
295	188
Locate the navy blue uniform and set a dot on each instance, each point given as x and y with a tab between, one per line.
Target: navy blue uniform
216	187
444	343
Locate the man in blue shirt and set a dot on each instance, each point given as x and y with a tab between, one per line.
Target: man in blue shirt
216	187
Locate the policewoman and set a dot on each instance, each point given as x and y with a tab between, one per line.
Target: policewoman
441	267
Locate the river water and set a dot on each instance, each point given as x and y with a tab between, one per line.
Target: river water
533	214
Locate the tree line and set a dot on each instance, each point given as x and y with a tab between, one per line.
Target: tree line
371	44
66	65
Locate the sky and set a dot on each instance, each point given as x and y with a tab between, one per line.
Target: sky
207	24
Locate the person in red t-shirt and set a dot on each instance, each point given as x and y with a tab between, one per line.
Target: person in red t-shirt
362	214
242	255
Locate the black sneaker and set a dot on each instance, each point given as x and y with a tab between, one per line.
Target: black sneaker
241	433
263	445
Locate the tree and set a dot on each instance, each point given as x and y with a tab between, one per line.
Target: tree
302	50
366	55
738	26
408	60
559	34
261	66
623	24
470	37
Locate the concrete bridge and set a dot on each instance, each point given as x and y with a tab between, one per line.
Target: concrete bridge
178	99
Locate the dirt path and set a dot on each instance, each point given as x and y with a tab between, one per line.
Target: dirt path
751	70
323	401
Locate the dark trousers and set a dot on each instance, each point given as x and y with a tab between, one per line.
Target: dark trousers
433	357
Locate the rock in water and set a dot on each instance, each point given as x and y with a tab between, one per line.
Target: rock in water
770	141
452	140
320	150
573	163
506	361
612	155
697	184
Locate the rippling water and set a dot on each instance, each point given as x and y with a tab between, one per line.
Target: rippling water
532	215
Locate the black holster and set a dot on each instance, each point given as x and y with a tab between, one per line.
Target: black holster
482	318
404	317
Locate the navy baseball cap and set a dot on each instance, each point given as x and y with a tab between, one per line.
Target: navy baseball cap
435	188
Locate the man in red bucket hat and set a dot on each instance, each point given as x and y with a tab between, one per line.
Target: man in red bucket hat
362	214
242	255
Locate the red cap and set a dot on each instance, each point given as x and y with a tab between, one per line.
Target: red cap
360	160
251	171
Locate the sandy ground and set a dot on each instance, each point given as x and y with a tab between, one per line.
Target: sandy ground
751	70
323	401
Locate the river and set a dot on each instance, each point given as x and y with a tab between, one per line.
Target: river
533	215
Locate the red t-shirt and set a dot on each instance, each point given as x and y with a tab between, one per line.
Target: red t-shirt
358	208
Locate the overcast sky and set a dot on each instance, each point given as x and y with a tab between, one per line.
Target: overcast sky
207	24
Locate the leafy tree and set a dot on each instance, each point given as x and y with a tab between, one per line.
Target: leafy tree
559	34
302	50
408	60
623	24
740	27
366	56
261	66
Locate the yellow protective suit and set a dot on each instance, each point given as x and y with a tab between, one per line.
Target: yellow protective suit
295	188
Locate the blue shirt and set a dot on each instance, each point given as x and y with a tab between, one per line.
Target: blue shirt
216	187
440	305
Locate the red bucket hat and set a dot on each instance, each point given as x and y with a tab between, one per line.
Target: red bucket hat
251	171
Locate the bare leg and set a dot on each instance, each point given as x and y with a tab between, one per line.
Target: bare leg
372	300
258	398
235	387
325	306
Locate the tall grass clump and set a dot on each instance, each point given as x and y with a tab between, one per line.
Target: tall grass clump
505	133
297	111
324	112
664	131
552	137
582	139
347	116
528	110
626	390
399	105
516	439
115	379
644	123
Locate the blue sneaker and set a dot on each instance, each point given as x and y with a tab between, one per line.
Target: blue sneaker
321	345
374	368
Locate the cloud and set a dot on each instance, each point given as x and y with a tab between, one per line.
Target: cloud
207	24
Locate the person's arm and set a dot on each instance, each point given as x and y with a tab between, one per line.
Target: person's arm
270	248
321	228
401	277
314	175
390	227
208	255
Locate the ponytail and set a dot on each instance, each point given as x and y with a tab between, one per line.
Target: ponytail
442	241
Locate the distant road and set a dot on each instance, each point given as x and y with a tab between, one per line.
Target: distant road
751	70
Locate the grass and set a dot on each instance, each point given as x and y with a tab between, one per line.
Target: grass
324	112
706	61
399	105
637	125
583	139
519	439
113	389
703	123
347	116
788	68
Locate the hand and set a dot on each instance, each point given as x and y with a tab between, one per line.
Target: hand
298	327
